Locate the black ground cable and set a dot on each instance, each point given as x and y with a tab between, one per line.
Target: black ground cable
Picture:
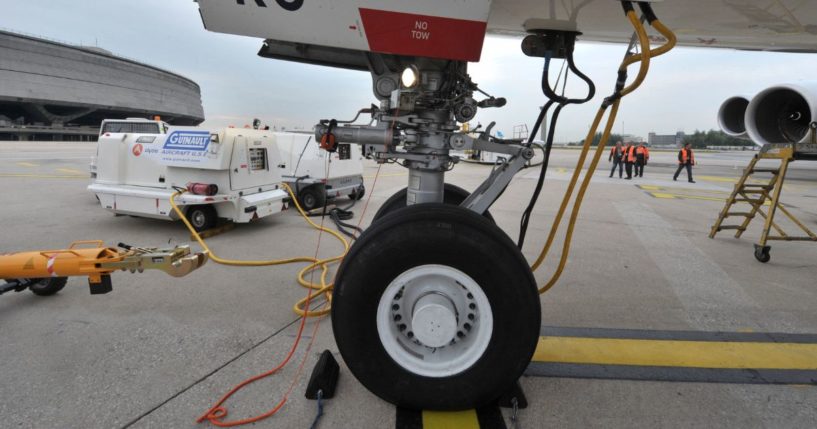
551	95
338	215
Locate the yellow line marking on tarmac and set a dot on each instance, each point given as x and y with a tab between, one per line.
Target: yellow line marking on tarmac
70	171
687	354
669	196
27	164
650	187
717	179
43	176
450	420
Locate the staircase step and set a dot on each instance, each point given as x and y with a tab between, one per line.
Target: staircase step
744	214
766	170
724	227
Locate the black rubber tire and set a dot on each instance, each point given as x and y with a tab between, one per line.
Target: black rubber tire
311	198
453	195
358	193
455	237
202	217
47	286
762	254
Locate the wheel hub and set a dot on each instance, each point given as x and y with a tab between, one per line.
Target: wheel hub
198	219
434	320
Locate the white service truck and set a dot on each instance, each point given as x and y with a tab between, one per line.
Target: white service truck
313	178
128	126
136	173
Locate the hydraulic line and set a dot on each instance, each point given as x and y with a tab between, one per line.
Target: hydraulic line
562	102
644	59
324	288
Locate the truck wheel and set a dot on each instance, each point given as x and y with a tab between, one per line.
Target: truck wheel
358	193
450	324
202	217
312	198
47	286
453	195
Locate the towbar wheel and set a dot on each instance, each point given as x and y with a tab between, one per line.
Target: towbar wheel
451	323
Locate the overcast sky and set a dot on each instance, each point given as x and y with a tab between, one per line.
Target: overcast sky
682	92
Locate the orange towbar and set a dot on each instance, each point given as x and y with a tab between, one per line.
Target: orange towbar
92	259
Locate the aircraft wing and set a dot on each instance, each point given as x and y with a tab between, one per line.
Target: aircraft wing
772	25
455	29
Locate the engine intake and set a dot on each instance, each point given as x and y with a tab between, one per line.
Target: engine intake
782	114
732	116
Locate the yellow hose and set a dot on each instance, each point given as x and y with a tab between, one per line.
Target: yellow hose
644	58
323	288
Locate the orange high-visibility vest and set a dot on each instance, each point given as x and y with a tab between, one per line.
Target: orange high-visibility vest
629	154
613	152
685	155
642	150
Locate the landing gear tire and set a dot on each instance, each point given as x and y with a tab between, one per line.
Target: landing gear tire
202	217
358	193
449	325
47	286
762	253
453	195
312	198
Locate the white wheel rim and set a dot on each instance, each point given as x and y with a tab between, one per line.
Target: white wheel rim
198	219
442	301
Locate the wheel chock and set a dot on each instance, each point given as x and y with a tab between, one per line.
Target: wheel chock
102	286
324	377
515	393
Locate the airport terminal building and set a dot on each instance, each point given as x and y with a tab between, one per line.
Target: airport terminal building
56	91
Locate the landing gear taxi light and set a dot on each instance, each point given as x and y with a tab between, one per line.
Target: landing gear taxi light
410	77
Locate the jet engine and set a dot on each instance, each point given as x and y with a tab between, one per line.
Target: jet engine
732	116
781	114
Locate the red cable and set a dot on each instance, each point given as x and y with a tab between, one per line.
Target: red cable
217	413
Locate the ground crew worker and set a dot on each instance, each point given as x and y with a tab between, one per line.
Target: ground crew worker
629	159
685	159
642	155
615	157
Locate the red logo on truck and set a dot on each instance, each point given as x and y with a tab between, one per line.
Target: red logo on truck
137	149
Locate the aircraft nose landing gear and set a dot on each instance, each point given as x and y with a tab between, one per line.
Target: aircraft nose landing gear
436	308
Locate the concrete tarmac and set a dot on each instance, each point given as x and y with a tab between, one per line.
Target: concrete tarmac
158	351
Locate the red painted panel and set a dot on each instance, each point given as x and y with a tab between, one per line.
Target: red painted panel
422	35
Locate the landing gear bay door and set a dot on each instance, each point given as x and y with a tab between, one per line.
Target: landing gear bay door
447	29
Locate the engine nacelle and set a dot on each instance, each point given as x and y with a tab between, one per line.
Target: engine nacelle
782	114
732	116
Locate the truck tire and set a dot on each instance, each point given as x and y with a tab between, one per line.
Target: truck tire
202	217
47	286
312	197
358	193
454	195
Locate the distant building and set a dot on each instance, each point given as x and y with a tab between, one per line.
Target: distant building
667	140
57	91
